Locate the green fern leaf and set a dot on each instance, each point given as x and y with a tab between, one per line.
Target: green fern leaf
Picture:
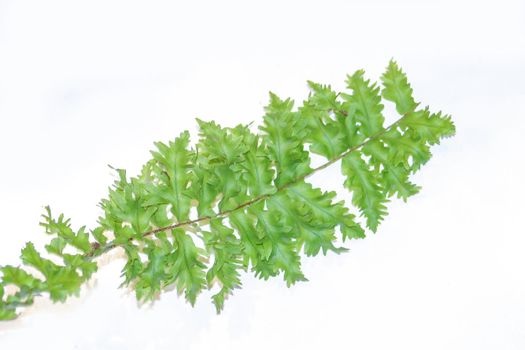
227	250
284	135
187	267
365	185
324	132
172	168
364	105
397	89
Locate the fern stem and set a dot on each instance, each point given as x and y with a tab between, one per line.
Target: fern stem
98	251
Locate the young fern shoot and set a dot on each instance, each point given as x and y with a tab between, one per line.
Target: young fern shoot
256	211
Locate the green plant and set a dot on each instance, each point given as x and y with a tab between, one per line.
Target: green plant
254	208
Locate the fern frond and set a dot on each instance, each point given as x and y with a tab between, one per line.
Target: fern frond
256	211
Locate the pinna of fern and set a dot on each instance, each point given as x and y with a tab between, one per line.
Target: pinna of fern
254	208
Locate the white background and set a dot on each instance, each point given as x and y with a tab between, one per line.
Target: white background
87	83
